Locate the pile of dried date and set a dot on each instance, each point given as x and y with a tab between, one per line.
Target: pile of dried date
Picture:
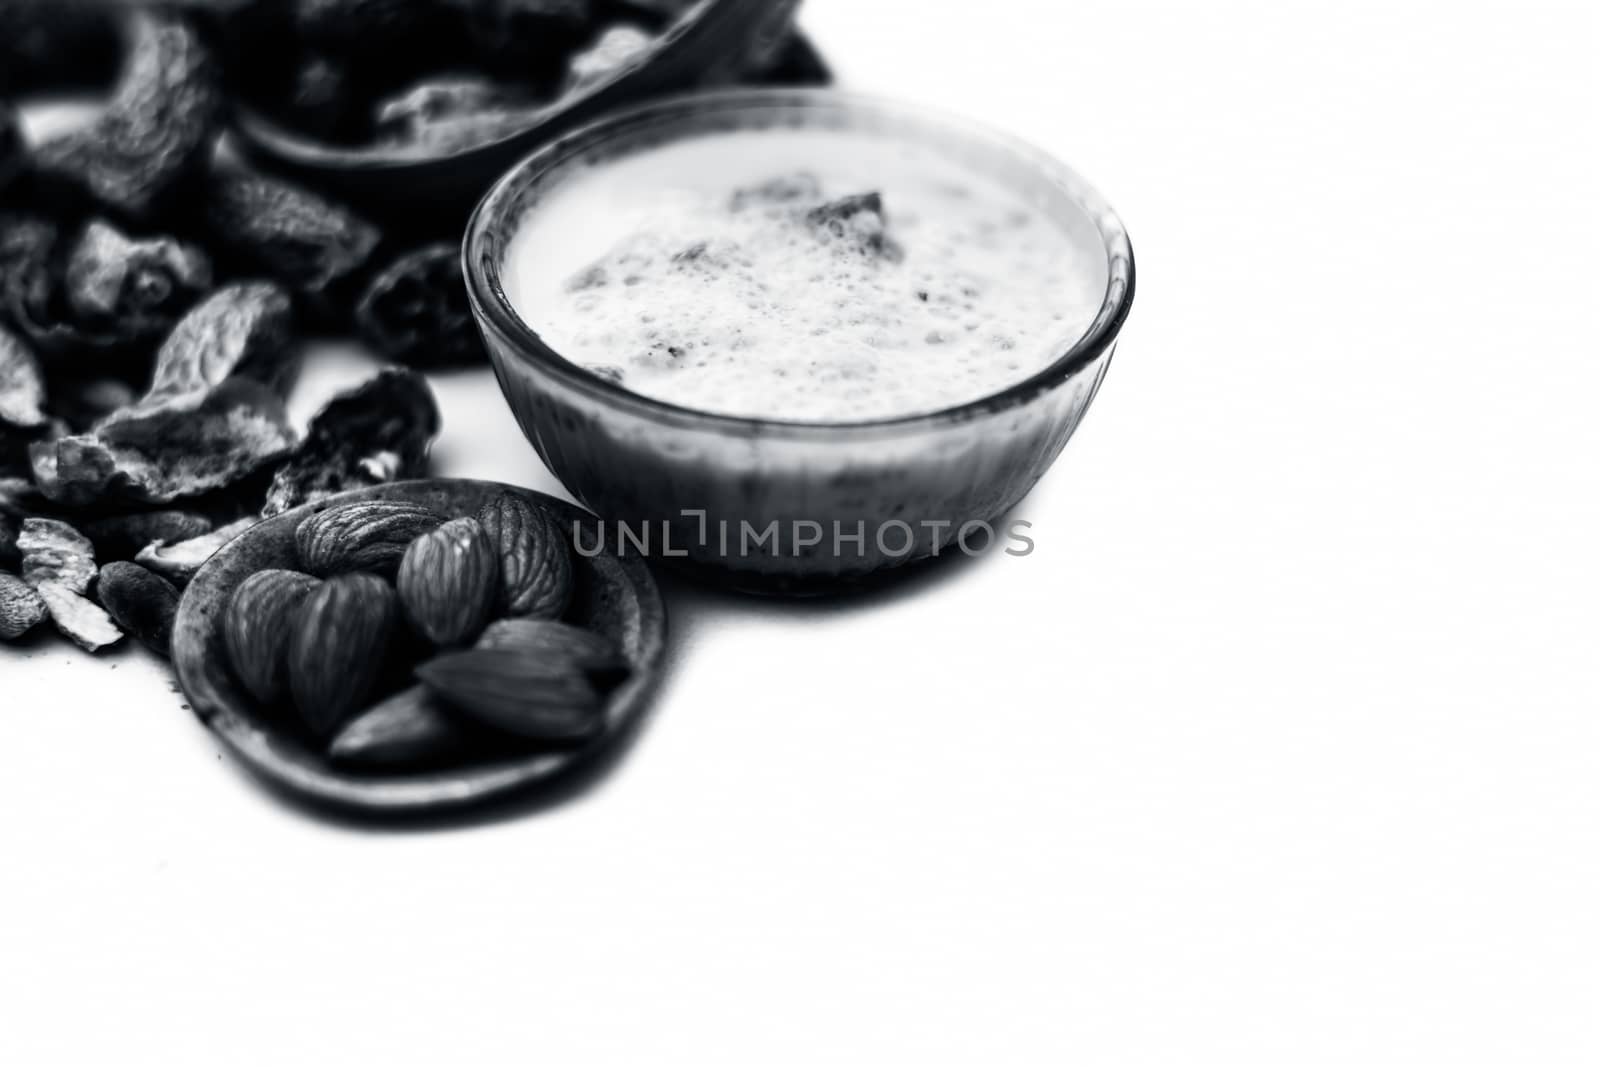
155	301
411	637
155	293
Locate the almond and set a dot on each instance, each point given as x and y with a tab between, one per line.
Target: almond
535	558
507	691
547	640
366	536
341	632
256	629
409	727
448	580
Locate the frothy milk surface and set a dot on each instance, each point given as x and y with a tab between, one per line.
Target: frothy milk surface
812	275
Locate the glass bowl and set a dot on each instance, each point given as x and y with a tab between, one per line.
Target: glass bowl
780	506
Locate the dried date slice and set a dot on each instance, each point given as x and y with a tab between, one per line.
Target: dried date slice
416	312
442	116
78	617
239	331
133	289
177	449
618	48
378	432
318	249
156	132
121	537
141	603
181	560
52	551
21	384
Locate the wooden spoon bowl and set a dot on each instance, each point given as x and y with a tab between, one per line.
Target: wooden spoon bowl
614	596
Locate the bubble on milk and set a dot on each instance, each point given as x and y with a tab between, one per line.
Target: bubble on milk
831	291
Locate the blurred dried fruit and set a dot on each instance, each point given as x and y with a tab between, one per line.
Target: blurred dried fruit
618	48
416	311
535	559
448	580
179	448
505	690
315	247
50	44
13	152
545	639
378	432
118	537
21	384
446	115
340	634
33	262
139	602
78	617
54	552
242	330
410	727
364	536
133	290
256	629
21	607
208	419
158	128
179	561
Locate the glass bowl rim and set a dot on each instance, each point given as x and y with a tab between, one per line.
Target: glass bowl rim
494	311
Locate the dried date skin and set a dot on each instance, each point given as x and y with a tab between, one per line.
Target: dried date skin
179	561
379	432
417	312
21	384
133	289
78	617
442	116
183	448
54	552
122	537
239	331
318	249
139	602
156	132
213	416
618	48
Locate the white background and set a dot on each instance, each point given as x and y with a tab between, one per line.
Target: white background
1280	749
